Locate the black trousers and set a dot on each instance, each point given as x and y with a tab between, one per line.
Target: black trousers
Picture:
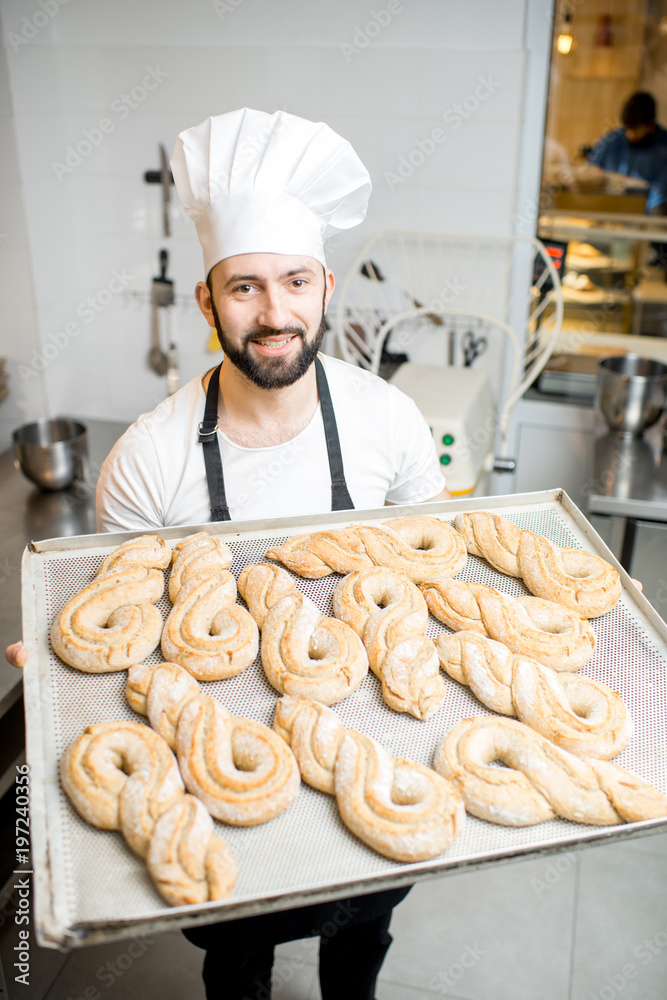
354	939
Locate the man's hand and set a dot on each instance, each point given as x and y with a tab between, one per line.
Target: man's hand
16	654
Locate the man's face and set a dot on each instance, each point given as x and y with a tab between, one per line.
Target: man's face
268	310
640	136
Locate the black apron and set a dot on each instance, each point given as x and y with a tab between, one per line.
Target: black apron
208	438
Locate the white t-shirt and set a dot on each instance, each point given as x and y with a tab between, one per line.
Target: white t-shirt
155	474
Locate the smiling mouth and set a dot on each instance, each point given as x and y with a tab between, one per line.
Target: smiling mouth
271	344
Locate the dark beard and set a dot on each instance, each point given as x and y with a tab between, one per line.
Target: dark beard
270	373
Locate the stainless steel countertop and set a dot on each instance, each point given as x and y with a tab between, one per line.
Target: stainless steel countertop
630	475
30	514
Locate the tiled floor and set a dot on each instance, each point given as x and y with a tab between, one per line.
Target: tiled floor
590	925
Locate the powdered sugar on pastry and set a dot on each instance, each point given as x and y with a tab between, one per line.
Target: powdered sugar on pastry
577	579
539	781
424	548
387	610
241	770
261	586
196	555
309	655
553	635
112	623
207	632
579	714
396	806
314	733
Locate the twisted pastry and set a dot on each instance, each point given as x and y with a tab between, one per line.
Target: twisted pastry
401	809
161	692
207	632
306	654
187	861
200	553
146	550
547	632
241	770
386	598
493	538
390	615
574	578
112	623
396	806
424	548
539	781
314	734
411	680
122	776
261	586
576	713
340	550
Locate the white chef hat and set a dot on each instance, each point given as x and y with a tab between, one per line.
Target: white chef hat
260	183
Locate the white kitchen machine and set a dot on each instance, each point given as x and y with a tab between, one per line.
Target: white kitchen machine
460	410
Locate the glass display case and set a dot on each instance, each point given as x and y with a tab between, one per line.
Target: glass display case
614	275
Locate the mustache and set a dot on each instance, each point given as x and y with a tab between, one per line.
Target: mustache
260	332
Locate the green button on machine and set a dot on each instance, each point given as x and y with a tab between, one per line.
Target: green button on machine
445	459
448	439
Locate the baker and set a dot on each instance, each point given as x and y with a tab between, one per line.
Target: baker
638	149
275	430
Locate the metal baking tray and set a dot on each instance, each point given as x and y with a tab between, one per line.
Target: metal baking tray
90	887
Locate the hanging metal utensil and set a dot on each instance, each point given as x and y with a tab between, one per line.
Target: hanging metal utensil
472	347
157	359
451	347
165	180
162	296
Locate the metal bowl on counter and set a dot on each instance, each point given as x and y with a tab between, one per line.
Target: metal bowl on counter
52	453
631	392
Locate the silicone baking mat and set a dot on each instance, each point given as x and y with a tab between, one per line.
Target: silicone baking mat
91	887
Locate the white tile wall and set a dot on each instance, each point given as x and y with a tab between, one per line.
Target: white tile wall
485	24
384	94
479	156
18	327
157	79
451	76
287	78
378	84
33	69
54	268
463	212
379	144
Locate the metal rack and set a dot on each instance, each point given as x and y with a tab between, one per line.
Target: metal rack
415	290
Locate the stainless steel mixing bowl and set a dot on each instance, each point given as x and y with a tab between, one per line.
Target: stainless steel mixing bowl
631	392
51	453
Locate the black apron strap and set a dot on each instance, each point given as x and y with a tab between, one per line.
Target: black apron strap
340	497
208	439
